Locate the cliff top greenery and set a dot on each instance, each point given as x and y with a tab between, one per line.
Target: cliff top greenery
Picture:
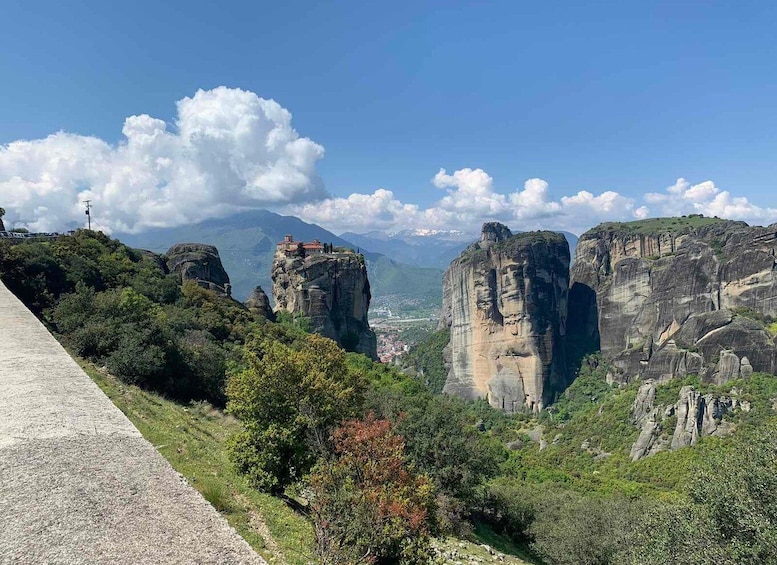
653	226
518	241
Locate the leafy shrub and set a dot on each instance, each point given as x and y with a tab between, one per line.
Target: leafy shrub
367	506
289	400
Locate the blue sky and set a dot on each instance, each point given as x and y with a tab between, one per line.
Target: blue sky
600	96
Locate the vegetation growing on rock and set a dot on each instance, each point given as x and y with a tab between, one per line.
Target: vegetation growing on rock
312	420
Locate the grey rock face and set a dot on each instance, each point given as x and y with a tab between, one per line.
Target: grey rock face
494	232
333	291
505	302
643	404
259	303
667	304
200	263
696	415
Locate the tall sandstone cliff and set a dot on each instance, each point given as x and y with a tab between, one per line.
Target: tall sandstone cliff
333	291
666	298
505	302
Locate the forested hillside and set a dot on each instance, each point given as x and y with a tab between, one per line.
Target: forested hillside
377	464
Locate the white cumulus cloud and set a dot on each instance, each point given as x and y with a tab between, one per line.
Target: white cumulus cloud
228	149
470	199
705	198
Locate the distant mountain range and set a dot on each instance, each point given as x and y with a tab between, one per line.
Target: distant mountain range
427	248
246	243
408	263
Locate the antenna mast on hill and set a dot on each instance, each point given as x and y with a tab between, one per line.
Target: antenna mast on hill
89	213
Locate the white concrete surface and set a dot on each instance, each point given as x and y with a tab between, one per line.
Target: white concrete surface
78	483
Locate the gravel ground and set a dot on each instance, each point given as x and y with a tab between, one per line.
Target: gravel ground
78	483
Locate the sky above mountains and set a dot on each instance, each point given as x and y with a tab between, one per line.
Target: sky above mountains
360	116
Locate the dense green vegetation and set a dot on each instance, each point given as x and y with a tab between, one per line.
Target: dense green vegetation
290	398
361	463
117	306
654	226
425	362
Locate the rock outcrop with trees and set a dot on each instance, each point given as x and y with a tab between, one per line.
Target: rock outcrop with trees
199	263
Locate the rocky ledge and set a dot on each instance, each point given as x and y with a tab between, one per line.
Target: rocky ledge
200	263
681	424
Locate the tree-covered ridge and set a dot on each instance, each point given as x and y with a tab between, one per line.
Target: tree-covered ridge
117	306
677	225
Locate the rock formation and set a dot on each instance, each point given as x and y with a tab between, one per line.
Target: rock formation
200	263
259	303
670	297
332	291
505	302
681	424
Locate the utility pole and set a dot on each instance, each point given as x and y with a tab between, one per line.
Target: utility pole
89	212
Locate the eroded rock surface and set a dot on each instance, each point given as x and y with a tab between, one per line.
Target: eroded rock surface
332	291
200	263
693	416
669	298
505	302
259	303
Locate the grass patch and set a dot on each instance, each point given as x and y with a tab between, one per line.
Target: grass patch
192	438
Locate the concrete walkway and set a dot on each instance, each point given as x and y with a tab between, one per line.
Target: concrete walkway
78	483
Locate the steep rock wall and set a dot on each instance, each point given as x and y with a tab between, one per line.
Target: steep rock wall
333	291
670	297
505	302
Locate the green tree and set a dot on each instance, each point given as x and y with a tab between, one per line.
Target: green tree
367	506
289	400
729	514
443	442
570	529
